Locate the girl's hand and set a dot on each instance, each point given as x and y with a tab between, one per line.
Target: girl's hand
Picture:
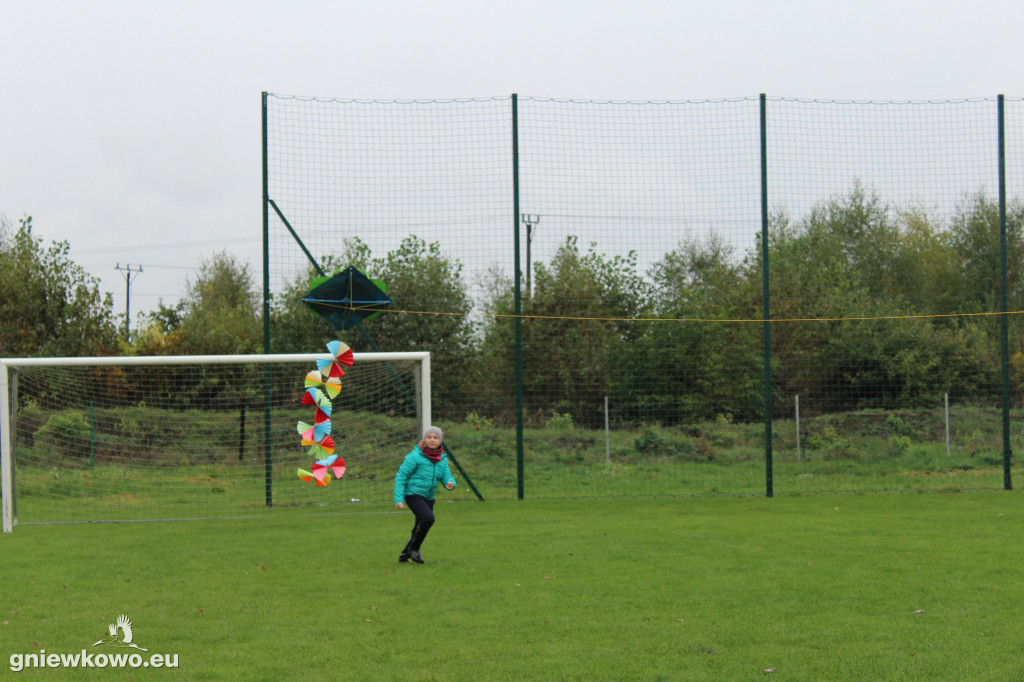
400	505
449	486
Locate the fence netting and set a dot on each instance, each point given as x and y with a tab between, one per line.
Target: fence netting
603	265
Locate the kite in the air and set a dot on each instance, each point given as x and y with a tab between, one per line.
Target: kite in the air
347	297
344	298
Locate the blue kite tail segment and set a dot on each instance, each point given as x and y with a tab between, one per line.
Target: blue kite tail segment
342	355
347	297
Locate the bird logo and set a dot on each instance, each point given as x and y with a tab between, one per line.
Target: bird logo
124	624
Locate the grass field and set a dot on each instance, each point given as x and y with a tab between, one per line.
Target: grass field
192	476
813	587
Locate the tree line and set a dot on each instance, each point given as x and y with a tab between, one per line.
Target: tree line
871	306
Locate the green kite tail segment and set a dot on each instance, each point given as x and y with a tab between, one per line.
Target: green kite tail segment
329	385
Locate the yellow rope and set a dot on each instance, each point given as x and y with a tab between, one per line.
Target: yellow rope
684	319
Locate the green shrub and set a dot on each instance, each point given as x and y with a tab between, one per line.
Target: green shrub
829	443
67	433
657	442
476	422
899	445
561	421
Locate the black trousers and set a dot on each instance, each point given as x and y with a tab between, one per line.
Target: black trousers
424	512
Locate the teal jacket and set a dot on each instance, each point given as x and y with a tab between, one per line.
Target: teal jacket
419	476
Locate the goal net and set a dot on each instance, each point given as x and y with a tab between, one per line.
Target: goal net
151	438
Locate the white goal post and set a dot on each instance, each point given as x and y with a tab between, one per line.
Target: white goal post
55	470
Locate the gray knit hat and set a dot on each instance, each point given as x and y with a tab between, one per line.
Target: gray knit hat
434	429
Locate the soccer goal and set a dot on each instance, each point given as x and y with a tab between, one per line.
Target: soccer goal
193	437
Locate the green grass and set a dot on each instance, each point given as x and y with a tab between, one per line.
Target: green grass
185	473
117	492
827	587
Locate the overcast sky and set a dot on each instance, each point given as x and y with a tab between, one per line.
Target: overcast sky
131	129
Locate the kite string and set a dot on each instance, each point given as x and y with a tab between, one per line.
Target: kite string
684	319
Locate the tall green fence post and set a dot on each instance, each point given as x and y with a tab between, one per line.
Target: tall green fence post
92	436
518	297
766	324
267	387
1003	298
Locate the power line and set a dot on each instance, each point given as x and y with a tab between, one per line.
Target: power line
169	245
169	267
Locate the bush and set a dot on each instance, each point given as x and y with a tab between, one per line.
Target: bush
830	443
655	441
66	433
561	421
476	422
895	424
899	445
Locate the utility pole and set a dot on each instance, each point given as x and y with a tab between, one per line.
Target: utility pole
529	221
129	276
